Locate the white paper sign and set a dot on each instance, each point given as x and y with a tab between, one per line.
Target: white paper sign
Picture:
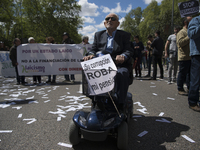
100	73
6	67
50	59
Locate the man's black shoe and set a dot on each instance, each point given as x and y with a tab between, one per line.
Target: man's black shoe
153	78
147	76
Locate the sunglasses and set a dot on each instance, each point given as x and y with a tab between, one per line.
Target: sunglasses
112	18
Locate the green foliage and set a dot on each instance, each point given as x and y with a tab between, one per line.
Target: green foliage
39	19
153	17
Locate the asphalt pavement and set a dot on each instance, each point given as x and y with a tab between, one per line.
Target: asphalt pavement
36	117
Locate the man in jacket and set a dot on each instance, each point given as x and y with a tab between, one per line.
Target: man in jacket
13	57
157	53
117	43
68	40
184	59
194	35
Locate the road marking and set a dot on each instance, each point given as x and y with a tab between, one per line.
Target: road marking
187	138
142	133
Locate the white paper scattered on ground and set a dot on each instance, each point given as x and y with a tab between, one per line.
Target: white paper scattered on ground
171	98
161	114
152	86
139	104
58	118
142	133
152	83
31	120
18	108
65	145
163	120
30	97
4	105
154	94
47	101
136	116
143	110
6	131
20	115
45	97
187	138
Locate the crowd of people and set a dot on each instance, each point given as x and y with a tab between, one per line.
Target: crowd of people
181	48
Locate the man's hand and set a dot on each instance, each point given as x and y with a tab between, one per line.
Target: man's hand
88	57
120	59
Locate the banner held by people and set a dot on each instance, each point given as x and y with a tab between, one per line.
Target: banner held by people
50	59
6	67
100	73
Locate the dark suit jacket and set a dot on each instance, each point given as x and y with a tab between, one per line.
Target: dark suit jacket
121	45
158	46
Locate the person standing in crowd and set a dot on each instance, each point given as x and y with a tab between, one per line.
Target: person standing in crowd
50	40
149	54
173	63
138	48
184	59
35	78
194	35
13	58
68	40
2	46
85	40
117	43
157	53
143	58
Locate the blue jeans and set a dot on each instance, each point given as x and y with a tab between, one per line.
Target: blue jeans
19	78
193	96
67	77
183	74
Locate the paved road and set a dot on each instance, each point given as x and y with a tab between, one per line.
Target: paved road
37	117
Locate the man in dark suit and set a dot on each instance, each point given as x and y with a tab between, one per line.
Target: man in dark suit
117	44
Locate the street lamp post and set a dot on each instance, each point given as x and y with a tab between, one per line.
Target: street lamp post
172	23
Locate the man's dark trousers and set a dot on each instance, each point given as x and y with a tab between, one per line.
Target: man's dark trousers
157	60
149	65
19	78
193	97
183	74
122	84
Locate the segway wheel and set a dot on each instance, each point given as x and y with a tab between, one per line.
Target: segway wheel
122	137
74	135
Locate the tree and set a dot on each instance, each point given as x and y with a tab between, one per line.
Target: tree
132	21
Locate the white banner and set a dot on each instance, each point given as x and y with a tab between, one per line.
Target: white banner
6	67
50	59
100	73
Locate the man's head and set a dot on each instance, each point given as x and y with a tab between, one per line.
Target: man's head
31	40
85	39
176	29
111	22
65	36
186	21
157	33
136	38
17	41
150	37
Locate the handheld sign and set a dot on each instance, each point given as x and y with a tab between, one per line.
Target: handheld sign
100	73
189	8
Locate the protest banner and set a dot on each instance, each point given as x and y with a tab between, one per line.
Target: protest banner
189	8
6	67
50	59
100	73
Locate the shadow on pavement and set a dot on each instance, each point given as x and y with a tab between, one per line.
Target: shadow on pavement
158	132
19	102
